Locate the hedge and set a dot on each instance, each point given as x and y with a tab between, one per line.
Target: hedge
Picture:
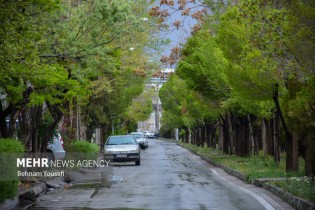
9	148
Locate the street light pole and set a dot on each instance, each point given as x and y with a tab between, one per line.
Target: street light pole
157	127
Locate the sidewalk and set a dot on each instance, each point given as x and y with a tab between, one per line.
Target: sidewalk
29	191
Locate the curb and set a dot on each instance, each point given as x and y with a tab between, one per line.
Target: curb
33	192
296	202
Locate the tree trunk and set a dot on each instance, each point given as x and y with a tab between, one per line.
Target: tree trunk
256	131
238	132
267	136
186	134
208	135
295	152
203	135
197	136
26	128
271	137
242	137
276	139
225	131
3	124
12	125
251	135
231	133
57	115
213	136
289	137
36	116
12	109
264	135
247	135
220	136
193	139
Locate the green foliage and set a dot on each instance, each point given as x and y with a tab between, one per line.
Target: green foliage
302	187
141	107
198	88
118	74
182	133
237	61
202	67
11	146
75	53
46	120
10	149
83	146
19	59
172	93
82	150
9	189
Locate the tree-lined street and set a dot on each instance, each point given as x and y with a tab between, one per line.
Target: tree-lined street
237	88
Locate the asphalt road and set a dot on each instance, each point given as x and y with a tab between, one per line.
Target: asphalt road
169	177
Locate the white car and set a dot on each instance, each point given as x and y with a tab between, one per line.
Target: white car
122	149
146	133
141	139
55	150
151	135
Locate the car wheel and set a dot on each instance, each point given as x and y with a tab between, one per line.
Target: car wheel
138	162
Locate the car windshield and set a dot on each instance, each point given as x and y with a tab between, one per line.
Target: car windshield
119	140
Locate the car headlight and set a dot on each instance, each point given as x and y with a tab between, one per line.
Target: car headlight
134	151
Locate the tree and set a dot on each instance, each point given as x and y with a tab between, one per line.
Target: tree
141	107
25	79
251	49
80	49
263	58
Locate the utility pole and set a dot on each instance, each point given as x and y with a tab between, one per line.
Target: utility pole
157	120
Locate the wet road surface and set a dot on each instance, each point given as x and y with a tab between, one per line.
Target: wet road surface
169	177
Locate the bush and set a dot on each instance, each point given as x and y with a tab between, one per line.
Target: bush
11	146
9	150
84	149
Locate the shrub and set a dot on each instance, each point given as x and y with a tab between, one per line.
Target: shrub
83	149
11	146
9	149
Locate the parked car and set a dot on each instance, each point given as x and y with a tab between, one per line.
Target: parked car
122	148
151	135
141	139
55	148
146	133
